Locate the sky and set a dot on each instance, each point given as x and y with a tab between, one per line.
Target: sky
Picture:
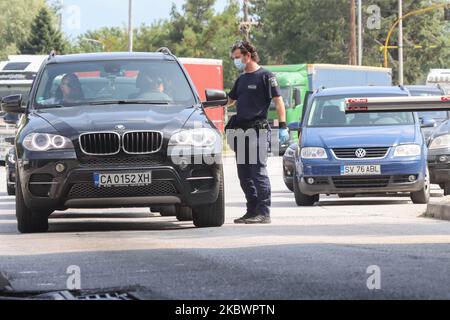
83	15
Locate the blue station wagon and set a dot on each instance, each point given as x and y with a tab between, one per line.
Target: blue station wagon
349	154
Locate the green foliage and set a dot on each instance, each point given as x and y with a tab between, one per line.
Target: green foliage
15	23
292	31
43	37
195	31
317	32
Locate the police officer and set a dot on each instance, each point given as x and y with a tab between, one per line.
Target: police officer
253	93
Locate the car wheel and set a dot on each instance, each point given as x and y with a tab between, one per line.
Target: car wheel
422	196
302	199
183	214
212	215
28	221
11	189
446	188
170	211
290	186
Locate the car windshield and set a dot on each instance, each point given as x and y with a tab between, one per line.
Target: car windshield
436	115
134	81
330	112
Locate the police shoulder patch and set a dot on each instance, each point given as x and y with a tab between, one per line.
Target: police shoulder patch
273	82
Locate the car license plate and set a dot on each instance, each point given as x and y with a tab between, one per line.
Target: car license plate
360	170
122	179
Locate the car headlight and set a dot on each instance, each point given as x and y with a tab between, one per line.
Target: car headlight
46	142
314	153
290	153
407	150
199	138
441	142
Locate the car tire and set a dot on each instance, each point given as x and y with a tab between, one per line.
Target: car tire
11	189
422	196
446	188
183	214
290	186
212	215
168	211
29	221
302	199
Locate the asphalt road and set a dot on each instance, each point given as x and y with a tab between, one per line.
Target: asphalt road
321	252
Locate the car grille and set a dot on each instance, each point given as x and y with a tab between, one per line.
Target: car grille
142	142
126	161
350	153
89	191
361	182
100	143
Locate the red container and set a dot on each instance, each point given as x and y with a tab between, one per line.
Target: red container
207	74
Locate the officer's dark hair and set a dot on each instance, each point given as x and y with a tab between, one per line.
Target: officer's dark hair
246	47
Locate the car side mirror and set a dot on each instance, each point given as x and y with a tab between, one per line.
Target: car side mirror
294	126
297	97
12	104
215	98
428	123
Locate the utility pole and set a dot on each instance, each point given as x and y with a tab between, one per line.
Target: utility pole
130	25
60	15
352	56
400	43
246	24
360	40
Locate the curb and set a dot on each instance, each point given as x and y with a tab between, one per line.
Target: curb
439	210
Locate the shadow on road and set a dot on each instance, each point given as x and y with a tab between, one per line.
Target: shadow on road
101	226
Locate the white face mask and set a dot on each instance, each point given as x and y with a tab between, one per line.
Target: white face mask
239	64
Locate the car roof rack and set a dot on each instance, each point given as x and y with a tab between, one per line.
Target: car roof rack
165	50
51	55
443	90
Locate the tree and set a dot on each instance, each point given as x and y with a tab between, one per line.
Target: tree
429	29
194	31
299	31
305	31
44	37
15	23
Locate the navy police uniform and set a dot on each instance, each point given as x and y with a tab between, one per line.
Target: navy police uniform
253	93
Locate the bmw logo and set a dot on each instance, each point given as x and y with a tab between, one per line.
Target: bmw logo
120	127
360	153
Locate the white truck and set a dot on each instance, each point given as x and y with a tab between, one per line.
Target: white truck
439	77
16	76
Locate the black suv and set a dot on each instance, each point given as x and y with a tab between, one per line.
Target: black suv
116	130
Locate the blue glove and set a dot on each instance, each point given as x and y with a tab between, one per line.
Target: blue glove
283	135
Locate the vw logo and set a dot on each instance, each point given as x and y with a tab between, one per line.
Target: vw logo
120	127
360	153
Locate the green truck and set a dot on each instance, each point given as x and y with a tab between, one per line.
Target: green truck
299	80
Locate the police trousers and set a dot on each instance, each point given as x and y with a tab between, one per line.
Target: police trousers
252	172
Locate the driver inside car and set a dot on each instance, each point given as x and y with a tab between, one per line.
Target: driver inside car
69	91
149	88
